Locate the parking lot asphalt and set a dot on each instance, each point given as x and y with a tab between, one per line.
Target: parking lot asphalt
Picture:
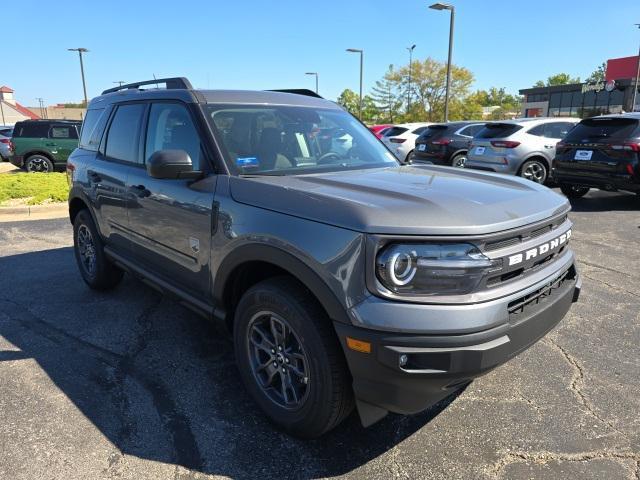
128	384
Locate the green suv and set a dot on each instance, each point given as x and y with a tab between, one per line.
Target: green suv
43	145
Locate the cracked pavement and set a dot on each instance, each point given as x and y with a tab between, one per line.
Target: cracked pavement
131	385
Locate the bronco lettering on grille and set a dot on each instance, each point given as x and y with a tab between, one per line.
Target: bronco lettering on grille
540	249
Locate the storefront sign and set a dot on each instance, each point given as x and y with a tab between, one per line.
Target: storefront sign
593	87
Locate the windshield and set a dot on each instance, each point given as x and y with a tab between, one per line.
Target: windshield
285	140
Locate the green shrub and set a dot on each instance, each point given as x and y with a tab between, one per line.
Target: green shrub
38	187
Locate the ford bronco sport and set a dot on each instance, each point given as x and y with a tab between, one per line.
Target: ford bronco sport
43	145
345	278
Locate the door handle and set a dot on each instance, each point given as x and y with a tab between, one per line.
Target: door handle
51	144
549	146
139	191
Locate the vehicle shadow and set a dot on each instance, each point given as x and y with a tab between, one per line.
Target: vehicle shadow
598	201
160	383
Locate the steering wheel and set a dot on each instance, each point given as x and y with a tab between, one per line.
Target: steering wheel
329	157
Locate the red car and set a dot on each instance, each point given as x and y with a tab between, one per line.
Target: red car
378	130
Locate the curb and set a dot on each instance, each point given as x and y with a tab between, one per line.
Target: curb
29	210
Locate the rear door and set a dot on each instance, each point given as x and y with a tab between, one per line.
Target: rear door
601	145
63	139
170	219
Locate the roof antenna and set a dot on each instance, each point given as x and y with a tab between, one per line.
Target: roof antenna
154	77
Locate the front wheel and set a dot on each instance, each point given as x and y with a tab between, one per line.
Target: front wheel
574	191
534	170
459	160
289	359
38	163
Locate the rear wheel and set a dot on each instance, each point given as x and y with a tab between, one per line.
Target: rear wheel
289	359
459	160
409	157
38	163
574	191
534	170
96	269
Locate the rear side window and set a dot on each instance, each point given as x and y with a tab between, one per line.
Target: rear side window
93	128
32	130
603	129
63	132
6	131
471	130
419	130
122	139
498	130
433	130
395	131
557	129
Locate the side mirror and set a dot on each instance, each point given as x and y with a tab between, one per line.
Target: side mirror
171	164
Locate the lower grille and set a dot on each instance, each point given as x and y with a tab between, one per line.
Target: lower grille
521	305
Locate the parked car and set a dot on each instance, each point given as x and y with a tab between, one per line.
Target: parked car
524	147
344	279
401	139
445	143
600	152
43	145
5	142
378	130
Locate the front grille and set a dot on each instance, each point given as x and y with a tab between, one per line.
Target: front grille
523	304
523	235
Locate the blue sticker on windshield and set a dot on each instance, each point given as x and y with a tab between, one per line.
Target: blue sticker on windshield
245	162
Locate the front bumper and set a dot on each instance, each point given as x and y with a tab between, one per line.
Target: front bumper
438	365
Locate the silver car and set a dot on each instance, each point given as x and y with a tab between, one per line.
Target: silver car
523	147
5	138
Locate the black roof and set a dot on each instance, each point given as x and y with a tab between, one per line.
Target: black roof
49	120
180	88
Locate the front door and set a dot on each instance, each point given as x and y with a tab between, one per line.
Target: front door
170	220
63	139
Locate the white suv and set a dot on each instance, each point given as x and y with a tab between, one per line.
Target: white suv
401	138
524	147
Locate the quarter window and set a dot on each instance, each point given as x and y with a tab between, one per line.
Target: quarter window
122	139
557	129
93	128
171	128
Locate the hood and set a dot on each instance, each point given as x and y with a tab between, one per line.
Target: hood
407	200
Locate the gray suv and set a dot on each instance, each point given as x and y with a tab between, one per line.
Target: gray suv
524	147
345	278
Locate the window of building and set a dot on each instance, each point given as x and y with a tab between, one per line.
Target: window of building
553	112
554	99
122	139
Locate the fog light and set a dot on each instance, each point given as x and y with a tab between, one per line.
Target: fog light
403	360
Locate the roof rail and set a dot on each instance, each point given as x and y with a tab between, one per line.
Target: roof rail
299	91
180	83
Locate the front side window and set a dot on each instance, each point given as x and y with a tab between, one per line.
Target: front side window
63	132
170	128
122	138
289	140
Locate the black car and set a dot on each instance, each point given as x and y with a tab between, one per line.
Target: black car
600	152
445	143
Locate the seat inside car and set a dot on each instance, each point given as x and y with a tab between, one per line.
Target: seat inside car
270	150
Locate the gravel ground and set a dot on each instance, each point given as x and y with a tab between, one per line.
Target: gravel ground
131	385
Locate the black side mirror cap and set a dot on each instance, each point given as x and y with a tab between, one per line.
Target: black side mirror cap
171	164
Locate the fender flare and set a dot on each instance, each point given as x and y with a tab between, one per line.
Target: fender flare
535	155
286	261
77	193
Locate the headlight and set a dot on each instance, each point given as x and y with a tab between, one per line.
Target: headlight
433	269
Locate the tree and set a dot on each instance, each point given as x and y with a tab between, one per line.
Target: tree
386	98
349	100
557	79
598	74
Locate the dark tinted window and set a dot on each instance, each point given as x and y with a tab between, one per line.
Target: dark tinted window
538	131
395	131
433	130
603	129
7	132
170	128
122	139
557	129
93	129
419	130
32	130
472	130
63	132
498	130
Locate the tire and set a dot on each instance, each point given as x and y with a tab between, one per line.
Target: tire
574	191
409	158
316	398
459	160
96	270
38	163
534	170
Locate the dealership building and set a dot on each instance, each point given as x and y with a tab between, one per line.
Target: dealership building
613	95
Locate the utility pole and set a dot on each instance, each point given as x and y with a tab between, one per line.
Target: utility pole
2	111
41	104
452	11
635	90
80	51
409	87
361	52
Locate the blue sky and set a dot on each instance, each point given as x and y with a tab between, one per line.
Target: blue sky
271	44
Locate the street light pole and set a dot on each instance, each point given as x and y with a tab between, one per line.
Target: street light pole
409	86
316	75
361	52
119	82
452	10
635	90
80	51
